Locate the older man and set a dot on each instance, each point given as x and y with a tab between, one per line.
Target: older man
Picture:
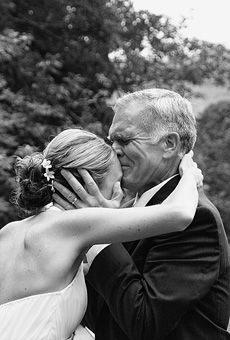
175	286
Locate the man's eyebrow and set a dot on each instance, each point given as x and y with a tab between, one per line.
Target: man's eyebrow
121	135
126	135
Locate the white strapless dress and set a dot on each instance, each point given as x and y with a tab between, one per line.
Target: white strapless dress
47	316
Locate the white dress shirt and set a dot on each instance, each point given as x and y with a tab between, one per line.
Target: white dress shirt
147	195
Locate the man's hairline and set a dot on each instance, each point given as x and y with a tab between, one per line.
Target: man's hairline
144	111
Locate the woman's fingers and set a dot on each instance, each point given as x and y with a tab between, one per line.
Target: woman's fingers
188	165
200	179
62	203
190	153
75	185
91	186
90	196
71	200
117	195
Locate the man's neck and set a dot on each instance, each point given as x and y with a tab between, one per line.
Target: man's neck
142	200
156	183
164	176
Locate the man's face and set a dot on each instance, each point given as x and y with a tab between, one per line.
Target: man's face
141	160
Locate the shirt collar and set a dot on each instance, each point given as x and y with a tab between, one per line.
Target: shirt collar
147	195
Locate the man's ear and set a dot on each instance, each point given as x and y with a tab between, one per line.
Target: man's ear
171	144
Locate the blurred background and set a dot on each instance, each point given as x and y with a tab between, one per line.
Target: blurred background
63	63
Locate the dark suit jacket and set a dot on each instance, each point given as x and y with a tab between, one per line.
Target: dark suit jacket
172	287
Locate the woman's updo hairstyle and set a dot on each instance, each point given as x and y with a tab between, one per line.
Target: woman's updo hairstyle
71	149
33	190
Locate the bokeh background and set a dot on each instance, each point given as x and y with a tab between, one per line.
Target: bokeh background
63	63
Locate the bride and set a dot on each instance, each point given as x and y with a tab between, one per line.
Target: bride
42	288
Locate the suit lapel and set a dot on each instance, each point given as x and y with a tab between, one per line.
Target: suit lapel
164	191
158	198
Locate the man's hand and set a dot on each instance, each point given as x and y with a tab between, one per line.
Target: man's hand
90	196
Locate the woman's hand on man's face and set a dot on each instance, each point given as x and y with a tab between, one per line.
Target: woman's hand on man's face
81	197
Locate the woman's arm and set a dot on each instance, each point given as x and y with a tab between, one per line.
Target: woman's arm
189	171
102	225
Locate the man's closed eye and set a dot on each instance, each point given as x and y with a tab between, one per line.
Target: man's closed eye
124	141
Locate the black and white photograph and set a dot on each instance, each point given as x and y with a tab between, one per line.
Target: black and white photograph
114	170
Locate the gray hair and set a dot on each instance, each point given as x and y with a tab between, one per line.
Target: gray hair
164	111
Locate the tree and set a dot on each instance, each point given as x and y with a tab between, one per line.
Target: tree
62	60
212	152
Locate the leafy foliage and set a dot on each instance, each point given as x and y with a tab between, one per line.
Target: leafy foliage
213	147
61	62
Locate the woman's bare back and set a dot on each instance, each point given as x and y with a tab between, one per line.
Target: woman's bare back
32	261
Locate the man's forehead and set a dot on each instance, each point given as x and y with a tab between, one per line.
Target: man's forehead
120	129
126	121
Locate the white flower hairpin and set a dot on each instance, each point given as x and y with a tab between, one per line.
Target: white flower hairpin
49	174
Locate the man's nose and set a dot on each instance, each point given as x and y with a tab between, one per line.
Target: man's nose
116	146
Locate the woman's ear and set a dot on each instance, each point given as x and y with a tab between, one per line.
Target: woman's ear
171	144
